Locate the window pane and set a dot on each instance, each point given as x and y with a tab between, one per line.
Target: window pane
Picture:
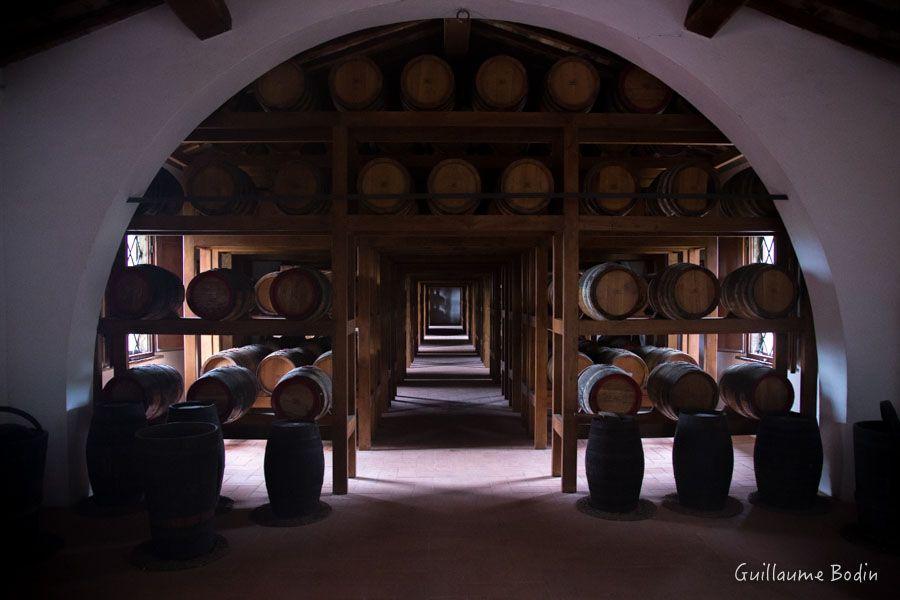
762	250
139	248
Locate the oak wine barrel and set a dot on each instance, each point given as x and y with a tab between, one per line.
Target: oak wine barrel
144	292
628	361
654	356
286	87
747	182
684	291
261	290
754	391
759	291
614	463
529	176
302	181
154	387
179	464
451	176
688	178
232	390
198	412
876	458
702	460
220	295
676	387
109	453
501	84
611	291
164	186
356	84
248	356
582	362
572	85
301	293
787	460
316	345
273	367
302	394
384	177
294	467
637	91
427	83
607	388
323	362
217	187
611	177
23	458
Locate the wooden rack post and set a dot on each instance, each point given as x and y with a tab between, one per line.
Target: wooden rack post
541	404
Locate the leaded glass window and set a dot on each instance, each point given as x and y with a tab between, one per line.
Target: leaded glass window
140	252
762	250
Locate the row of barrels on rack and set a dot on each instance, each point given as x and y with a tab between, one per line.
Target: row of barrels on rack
612	291
428	83
216	187
298	379
611	380
151	292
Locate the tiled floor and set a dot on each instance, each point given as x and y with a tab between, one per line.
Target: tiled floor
453	503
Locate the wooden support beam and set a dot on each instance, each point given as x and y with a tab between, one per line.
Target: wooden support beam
456	36
706	17
206	18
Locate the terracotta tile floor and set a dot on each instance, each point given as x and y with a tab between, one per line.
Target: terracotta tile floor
453	503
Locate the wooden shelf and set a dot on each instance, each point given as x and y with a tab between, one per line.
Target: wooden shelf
709	325
455	224
189	224
678	226
253	326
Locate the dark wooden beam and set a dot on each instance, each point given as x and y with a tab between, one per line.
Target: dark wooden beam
206	18
456	36
706	17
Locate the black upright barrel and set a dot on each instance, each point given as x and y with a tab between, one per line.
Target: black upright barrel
23	455
703	460
179	466
876	453
200	412
110	455
614	462
787	460
294	468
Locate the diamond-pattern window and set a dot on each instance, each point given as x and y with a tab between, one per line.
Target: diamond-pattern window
140	252
762	250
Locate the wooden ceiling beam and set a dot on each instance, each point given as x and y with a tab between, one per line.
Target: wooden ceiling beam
206	18
707	17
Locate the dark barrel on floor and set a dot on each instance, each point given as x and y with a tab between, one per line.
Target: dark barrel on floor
154	387
179	468
110	455
703	460
144	292
294	468
200	412
787	460
232	390
23	455
876	453
614	463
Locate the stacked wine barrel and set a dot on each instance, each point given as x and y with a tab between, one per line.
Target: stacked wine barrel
501	84
572	85
674	387
220	295
301	293
286	87
216	187
684	291
274	366
528	176
690	178
384	177
610	177
154	387
324	362
582	362
654	356
637	91
356	84
248	356
759	291
299	188
231	389
144	292
607	388
302	394
627	361
451	176
754	391
261	290
749	184
167	189
610	291
427	83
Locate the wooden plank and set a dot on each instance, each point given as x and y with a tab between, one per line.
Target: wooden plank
243	327
224	225
206	18
458	224
678	226
706	17
709	325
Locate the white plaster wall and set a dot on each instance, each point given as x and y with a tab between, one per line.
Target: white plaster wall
86	124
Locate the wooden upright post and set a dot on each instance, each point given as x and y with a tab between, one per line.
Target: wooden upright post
364	404
540	347
570	243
